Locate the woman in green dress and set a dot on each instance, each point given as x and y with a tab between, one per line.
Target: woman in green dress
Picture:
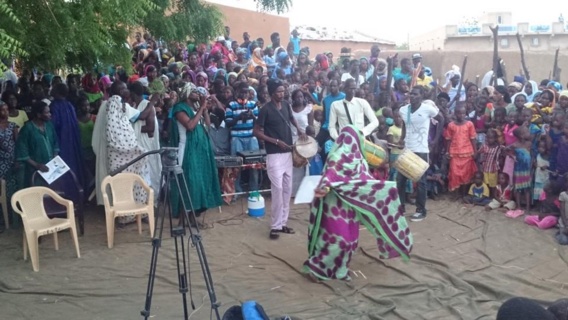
37	142
346	197
188	132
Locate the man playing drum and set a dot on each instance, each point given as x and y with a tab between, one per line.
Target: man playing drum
273	126
417	130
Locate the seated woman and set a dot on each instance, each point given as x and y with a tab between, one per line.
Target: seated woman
346	196
37	142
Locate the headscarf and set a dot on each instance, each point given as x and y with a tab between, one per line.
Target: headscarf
534	86
517	85
490	90
187	89
202	91
257	61
519	94
370	68
157	86
242	51
281	56
218	73
228	75
255	98
204	75
191	74
89	84
556	86
455	71
563	93
384	71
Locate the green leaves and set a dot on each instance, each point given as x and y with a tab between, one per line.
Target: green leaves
51	34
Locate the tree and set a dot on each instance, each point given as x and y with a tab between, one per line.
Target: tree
88	33
402	46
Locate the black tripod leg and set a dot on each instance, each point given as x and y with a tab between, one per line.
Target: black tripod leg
196	241
178	234
156	243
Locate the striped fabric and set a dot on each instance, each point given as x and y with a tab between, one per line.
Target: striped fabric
242	129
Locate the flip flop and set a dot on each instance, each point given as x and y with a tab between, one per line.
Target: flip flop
274	234
514	213
287	230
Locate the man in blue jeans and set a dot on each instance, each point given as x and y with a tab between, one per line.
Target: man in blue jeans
240	117
417	117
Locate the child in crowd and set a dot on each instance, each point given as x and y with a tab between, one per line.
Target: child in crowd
435	182
553	137
318	120
395	138
522	172
383	129
316	162
478	192
490	157
549	209
509	139
461	145
500	121
86	127
480	119
541	174
503	197
562	155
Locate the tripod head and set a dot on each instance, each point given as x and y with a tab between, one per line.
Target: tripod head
169	157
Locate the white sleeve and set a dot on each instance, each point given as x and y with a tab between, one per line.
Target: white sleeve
373	120
333	122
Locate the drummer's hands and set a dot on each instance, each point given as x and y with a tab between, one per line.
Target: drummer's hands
303	136
283	145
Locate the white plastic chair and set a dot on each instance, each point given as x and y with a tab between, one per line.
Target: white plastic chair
29	204
123	203
4	202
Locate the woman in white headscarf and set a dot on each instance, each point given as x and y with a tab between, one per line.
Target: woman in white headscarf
531	89
190	120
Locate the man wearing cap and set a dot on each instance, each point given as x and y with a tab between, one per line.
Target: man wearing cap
416	59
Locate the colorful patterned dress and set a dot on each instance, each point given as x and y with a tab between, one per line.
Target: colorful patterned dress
355	198
7	159
462	163
522	173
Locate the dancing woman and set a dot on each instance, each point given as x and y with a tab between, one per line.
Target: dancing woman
347	196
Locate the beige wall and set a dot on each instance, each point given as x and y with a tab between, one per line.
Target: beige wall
539	63
433	40
257	24
357	48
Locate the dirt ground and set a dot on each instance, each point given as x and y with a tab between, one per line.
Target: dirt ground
464	264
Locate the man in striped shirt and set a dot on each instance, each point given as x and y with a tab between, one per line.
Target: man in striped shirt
240	117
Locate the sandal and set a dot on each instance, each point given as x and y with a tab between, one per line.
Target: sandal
274	234
287	230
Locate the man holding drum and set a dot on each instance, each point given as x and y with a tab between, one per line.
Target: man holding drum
417	117
274	127
351	111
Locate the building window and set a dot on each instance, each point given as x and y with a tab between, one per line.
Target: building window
535	42
504	43
499	20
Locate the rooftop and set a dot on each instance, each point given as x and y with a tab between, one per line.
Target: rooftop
327	33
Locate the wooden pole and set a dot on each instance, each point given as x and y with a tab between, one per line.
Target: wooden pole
523	63
495	31
390	66
555	75
458	94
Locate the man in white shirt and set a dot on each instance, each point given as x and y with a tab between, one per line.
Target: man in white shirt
351	110
417	117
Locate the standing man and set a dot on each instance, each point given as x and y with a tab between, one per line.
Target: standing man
228	40
335	95
417	117
274	127
359	79
240	117
351	111
275	38
296	41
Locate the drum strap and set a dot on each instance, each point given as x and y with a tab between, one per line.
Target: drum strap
347	113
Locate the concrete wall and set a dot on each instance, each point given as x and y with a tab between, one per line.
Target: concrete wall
357	48
257	24
539	63
433	40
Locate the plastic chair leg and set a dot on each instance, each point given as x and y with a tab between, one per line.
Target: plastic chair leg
139	223
34	250
75	240
6	215
25	245
151	222
56	241
110	229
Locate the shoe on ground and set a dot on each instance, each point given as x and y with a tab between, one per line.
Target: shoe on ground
418	216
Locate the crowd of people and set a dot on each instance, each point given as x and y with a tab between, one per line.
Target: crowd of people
498	146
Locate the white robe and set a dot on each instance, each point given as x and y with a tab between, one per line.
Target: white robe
100	146
150	144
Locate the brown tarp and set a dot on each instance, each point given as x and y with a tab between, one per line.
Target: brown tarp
464	264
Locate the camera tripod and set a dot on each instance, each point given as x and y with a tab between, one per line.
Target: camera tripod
172	173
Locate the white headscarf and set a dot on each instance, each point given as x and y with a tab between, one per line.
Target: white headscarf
534	86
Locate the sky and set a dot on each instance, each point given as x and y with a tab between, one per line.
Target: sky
405	18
